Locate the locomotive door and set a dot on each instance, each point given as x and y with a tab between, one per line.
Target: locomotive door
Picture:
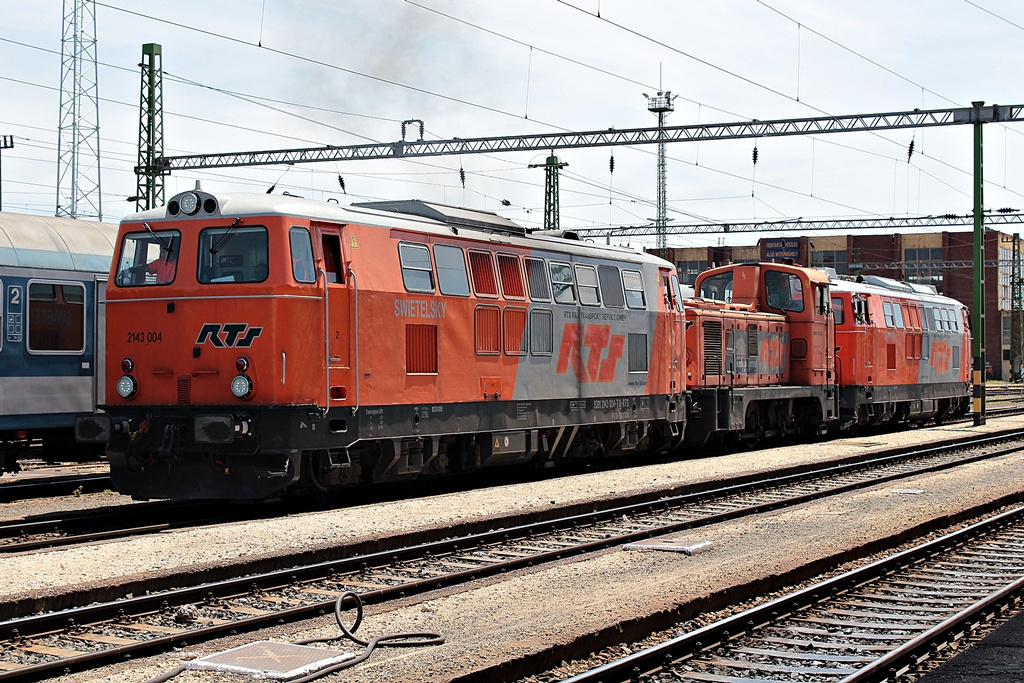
338	310
676	340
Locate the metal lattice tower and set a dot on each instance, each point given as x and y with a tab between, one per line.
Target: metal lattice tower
78	145
661	105
551	211
150	189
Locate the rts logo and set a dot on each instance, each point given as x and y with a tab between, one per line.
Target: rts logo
597	340
228	335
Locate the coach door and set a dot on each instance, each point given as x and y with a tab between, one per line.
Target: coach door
337	310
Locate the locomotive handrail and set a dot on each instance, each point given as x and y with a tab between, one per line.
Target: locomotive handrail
355	333
327	345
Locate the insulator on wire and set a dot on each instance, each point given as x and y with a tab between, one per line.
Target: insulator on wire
910	151
341	182
462	177
611	164
754	155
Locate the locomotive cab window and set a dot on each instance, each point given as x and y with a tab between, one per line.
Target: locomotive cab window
303	267
784	291
717	287
56	317
417	275
838	310
233	254
148	258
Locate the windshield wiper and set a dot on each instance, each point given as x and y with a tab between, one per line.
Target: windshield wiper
168	245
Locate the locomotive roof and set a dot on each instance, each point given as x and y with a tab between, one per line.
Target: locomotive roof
60	243
887	287
407	214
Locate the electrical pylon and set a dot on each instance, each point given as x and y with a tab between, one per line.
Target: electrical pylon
78	145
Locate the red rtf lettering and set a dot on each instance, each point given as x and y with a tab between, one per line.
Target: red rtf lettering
595	339
942	356
771	354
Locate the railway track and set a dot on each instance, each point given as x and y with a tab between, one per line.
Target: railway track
53	486
872	624
40	645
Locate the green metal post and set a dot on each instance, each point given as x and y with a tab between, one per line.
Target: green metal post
979	274
150	188
551	212
1016	304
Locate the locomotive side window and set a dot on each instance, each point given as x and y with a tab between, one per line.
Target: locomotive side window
634	284
562	284
838	310
514	327
537	274
56	317
611	286
303	268
452	277
541	343
586	281
511	276
784	291
821	299
481	265
233	254
890	321
717	287
636	352
417	275
897	314
148	258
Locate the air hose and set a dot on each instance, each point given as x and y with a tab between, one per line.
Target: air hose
391	640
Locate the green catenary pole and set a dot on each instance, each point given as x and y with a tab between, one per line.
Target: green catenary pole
979	273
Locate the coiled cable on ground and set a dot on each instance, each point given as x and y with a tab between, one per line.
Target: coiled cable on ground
390	640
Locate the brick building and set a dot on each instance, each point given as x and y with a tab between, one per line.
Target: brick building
943	260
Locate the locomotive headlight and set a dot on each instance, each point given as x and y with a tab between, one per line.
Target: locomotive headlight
242	364
241	386
127	386
189	203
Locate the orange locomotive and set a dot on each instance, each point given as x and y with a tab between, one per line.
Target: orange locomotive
759	354
774	349
264	344
904	352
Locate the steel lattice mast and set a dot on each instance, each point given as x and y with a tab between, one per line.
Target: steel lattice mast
78	145
150	189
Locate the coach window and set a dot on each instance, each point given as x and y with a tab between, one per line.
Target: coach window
562	283
537	275
784	291
717	287
416	272
232	254
611	287
481	266
452	277
586	282
148	258
633	282
303	268
56	317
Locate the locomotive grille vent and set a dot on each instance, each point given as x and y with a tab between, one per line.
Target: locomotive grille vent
712	347
184	388
752	340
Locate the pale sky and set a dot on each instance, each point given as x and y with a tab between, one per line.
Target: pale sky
249	75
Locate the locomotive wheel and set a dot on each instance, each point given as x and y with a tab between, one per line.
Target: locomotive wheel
752	432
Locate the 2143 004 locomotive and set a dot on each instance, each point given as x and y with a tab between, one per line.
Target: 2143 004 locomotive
264	345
